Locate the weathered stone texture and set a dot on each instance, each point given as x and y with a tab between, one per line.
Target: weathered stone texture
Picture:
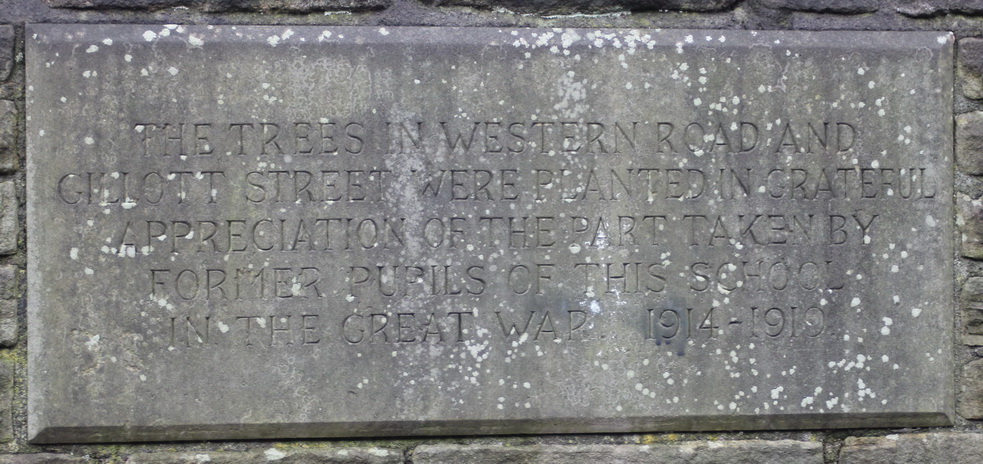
275	456
970	221
6	51
378	359
972	311
924	8
295	6
8	136
757	451
969	66
943	447
8	218
969	142
6	396
572	6
828	6
970	404
9	294
42	458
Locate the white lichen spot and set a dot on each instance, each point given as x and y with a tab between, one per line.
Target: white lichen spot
149	36
172	70
855	302
383	31
915	312
92	49
89	141
886	330
274	454
195	41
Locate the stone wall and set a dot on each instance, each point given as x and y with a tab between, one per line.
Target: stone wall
961	443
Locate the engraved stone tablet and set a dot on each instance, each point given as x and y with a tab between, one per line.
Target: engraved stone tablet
255	232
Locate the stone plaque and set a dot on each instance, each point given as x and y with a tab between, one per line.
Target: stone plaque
271	232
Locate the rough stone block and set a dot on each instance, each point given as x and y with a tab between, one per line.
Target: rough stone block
308	6
42	458
6	397
942	447
8	136
969	66
9	223
6	51
826	6
969	142
9	294
926	8
593	6
298	6
756	451
375	231
970	221
275	456
972	311
970	404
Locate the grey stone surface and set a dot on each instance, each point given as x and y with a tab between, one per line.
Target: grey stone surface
972	307
970	405
571	6
929	8
8	136
292	231
6	396
970	221
756	451
825	6
6	51
969	66
9	294
41	458
929	448
969	142
9	224
300	6
276	456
